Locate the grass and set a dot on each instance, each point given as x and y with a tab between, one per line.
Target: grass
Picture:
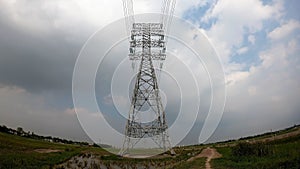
281	154
271	134
198	163
18	152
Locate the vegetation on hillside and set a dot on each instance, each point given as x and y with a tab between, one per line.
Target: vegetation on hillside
277	154
20	132
22	152
20	149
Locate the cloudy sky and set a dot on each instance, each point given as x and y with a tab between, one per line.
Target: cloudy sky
257	42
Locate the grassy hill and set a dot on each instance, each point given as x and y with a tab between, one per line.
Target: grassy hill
278	149
20	152
281	154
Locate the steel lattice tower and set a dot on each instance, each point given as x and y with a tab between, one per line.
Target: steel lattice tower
147	45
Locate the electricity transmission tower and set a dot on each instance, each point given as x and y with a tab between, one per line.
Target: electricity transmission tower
147	46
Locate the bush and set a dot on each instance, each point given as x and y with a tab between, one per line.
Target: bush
247	149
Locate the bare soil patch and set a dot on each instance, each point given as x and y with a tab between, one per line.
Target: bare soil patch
209	153
47	150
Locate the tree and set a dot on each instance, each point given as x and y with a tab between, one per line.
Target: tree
20	131
4	129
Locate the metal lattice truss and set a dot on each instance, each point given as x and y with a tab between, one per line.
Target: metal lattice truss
147	45
151	34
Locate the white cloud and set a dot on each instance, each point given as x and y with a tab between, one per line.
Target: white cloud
76	17
280	53
284	30
235	22
234	19
19	108
119	100
250	93
235	77
251	39
82	112
242	50
252	90
267	96
183	5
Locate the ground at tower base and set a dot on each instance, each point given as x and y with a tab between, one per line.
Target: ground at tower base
279	149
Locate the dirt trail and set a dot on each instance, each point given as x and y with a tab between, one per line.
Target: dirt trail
47	151
210	153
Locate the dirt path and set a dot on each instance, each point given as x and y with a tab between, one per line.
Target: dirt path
209	153
47	150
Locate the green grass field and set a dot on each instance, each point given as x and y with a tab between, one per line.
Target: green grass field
195	164
278	154
19	152
282	153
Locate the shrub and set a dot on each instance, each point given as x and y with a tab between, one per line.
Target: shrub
248	149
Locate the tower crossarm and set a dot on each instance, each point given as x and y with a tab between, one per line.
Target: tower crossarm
155	55
154	43
154	40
